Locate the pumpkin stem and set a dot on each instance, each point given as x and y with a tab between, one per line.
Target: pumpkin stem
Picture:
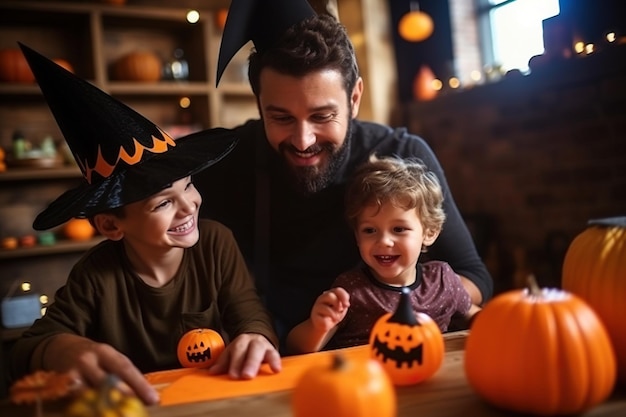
533	287
404	313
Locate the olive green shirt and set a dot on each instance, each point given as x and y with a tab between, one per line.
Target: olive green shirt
106	301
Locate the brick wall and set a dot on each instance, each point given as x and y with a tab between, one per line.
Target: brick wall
533	158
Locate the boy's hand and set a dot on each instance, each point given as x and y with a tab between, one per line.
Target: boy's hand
330	308
243	357
91	362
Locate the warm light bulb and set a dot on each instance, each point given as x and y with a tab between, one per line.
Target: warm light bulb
454	82
611	36
437	84
193	16
184	102
25	286
43	299
476	75
579	47
589	48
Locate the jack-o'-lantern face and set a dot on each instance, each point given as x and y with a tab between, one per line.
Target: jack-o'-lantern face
408	345
199	348
401	344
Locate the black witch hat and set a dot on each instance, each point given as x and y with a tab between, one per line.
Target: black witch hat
261	21
123	156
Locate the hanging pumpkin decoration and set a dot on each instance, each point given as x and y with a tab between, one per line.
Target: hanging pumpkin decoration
199	348
415	26
107	400
64	63
13	67
540	351
424	87
138	66
344	389
594	268
409	346
220	18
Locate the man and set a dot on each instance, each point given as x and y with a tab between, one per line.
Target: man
281	190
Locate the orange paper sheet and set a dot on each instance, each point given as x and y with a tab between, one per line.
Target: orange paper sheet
192	385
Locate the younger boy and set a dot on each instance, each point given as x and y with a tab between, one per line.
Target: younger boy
161	271
395	209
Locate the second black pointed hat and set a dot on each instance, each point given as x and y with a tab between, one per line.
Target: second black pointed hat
123	156
261	21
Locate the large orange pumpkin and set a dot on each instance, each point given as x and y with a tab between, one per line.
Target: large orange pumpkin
14	67
595	269
344	388
199	348
409	346
138	66
540	351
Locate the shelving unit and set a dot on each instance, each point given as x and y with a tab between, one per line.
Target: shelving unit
91	36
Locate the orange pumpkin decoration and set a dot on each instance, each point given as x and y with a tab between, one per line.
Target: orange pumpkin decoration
594	268
423	88
64	63
199	348
220	18
14	67
78	229
415	26
138	66
409	346
540	351
344	389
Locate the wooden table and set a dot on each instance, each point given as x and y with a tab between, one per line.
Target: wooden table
445	394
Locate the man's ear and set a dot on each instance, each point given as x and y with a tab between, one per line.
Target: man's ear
355	97
106	225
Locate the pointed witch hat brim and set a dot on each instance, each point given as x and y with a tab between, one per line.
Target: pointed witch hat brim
261	21
123	156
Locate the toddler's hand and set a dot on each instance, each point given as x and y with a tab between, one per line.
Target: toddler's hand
330	308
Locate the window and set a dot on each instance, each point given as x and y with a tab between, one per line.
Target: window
511	31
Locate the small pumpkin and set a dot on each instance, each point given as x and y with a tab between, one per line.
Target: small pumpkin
540	351
138	66
199	348
14	67
344	388
78	229
409	346
594	268
107	400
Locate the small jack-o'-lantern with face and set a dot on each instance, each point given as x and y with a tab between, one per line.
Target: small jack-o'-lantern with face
199	348
408	345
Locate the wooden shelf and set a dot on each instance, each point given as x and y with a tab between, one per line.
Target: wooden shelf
25	174
61	246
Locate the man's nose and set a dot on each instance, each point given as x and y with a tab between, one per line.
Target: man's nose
304	136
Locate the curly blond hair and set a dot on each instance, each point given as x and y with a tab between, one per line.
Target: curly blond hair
405	183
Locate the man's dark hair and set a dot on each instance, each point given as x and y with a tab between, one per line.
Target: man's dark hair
319	42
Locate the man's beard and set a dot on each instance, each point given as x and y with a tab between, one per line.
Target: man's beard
309	180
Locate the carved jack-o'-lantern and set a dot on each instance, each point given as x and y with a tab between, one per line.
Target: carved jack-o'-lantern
199	348
408	345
